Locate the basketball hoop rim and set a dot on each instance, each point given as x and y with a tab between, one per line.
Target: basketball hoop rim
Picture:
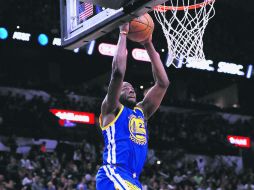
163	8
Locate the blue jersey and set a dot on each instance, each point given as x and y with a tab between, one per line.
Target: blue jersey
125	141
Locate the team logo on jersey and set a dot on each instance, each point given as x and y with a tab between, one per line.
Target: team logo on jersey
137	130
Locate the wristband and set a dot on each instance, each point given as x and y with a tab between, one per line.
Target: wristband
124	32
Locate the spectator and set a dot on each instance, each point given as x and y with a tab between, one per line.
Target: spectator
2	182
26	163
43	147
82	185
178	178
27	180
36	184
50	186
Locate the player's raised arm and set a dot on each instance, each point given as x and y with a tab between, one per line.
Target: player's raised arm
154	96
111	101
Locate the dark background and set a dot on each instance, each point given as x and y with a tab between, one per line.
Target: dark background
228	37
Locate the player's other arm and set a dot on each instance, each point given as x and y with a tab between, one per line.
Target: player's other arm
154	96
111	101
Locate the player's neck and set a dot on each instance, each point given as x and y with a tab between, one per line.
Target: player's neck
129	105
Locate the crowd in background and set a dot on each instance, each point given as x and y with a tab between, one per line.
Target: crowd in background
195	131
170	127
74	167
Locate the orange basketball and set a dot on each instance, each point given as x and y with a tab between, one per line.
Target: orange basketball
141	28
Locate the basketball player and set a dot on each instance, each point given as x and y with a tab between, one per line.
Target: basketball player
123	121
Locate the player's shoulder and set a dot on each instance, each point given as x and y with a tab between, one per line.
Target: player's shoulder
139	108
109	119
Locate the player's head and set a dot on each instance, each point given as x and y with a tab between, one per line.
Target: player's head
128	95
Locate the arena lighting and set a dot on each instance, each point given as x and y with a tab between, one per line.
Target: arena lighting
140	55
169	60
3	33
91	47
202	65
21	36
56	42
74	116
180	63
76	50
235	105
239	141
43	39
230	68
107	49
249	72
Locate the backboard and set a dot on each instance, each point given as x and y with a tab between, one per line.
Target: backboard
85	20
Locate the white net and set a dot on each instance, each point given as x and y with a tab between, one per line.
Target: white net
183	24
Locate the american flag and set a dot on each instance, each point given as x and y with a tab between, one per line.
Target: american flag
85	10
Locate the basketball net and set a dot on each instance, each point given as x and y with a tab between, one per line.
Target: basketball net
183	24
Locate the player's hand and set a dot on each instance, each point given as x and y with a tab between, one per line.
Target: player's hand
147	41
125	28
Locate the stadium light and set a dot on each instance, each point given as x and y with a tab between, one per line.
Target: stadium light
21	36
249	72
43	39
107	49
74	116
91	47
3	33
140	55
201	65
180	63
230	68
243	142
56	42
158	162
76	50
169	60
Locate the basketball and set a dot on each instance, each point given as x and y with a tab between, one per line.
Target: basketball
141	28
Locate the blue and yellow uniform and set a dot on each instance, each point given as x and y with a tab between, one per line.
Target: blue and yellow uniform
125	151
